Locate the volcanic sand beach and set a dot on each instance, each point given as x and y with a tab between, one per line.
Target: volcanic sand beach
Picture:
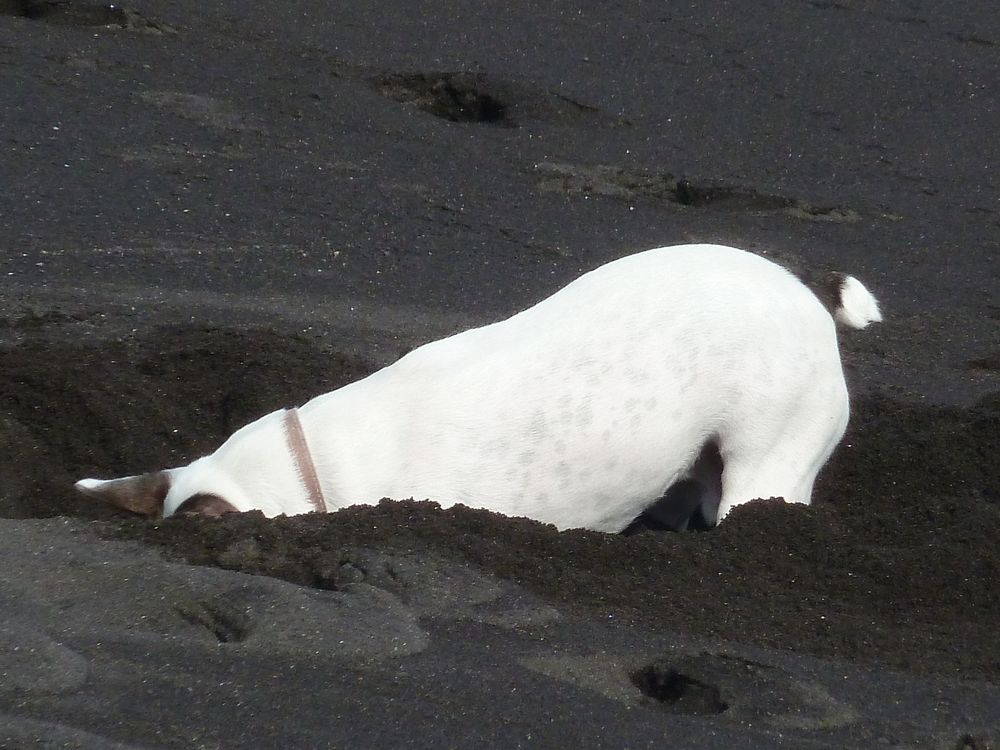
211	212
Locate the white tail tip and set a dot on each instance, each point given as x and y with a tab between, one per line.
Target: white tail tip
857	307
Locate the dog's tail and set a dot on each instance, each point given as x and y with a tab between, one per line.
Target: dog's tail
856	307
847	299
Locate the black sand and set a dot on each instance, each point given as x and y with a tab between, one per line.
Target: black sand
208	215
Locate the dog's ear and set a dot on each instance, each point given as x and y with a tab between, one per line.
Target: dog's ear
143	494
205	504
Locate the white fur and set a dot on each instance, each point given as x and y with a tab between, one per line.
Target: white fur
582	410
858	307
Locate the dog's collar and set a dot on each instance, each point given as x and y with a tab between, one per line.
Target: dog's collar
299	448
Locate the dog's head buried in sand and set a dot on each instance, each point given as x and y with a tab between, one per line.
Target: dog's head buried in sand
696	366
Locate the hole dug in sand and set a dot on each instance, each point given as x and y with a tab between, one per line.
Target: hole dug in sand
85	15
231	626
458	97
678	692
666	188
742	690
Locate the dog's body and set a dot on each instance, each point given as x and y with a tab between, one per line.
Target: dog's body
581	411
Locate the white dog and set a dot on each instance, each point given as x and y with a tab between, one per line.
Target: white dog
661	369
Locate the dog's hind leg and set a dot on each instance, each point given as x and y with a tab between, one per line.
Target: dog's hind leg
780	455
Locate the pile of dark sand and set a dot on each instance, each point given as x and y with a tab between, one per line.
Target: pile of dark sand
895	563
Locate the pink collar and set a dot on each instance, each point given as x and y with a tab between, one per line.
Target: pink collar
299	449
